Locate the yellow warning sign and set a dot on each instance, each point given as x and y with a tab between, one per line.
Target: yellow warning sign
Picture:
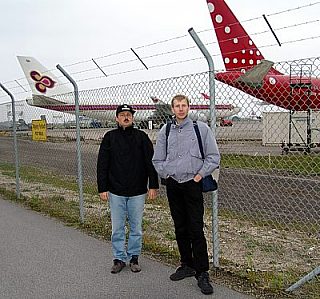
39	130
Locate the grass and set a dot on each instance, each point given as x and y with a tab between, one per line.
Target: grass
283	226
268	282
297	164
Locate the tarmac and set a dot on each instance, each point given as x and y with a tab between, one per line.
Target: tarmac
42	258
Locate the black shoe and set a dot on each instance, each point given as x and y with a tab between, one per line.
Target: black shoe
134	265
117	266
204	283
182	272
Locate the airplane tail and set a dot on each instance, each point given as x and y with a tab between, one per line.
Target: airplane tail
238	50
43	83
161	106
205	96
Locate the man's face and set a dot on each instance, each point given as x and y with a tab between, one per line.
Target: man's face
180	109
124	119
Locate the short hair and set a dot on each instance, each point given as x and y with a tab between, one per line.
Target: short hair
179	97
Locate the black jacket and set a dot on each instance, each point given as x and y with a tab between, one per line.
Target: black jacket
124	163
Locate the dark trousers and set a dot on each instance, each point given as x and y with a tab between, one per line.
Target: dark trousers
186	206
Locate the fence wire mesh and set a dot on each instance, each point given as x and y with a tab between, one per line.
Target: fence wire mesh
269	191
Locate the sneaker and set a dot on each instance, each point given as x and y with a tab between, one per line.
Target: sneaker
182	272
118	265
204	283
134	265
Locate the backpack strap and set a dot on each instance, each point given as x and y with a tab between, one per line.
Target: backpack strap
168	127
196	128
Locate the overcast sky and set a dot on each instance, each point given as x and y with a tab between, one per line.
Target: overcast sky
70	31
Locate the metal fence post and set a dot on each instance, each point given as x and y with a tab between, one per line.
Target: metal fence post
212	118
304	279
15	143
77	112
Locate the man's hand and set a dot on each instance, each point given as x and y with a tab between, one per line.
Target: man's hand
152	193
197	178
104	196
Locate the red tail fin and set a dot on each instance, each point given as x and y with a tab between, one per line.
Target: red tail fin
237	48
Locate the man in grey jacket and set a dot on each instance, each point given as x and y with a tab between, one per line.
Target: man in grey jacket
177	159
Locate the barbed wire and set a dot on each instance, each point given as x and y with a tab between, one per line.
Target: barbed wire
268	31
272	14
164	64
158	65
293	9
169	52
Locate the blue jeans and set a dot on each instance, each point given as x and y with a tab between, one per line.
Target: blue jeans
122	207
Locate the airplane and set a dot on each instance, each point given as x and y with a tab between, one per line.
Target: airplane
48	92
248	71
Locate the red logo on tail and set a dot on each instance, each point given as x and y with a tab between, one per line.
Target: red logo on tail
42	82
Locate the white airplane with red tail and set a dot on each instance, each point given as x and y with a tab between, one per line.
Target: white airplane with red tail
248	71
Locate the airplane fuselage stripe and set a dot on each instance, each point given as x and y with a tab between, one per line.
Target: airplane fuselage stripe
136	107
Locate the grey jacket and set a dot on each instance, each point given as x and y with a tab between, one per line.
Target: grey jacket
183	158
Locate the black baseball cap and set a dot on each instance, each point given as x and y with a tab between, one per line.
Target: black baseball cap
124	107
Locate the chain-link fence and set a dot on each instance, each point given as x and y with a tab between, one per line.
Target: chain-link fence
269	187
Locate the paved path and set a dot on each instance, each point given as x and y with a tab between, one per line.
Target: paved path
42	258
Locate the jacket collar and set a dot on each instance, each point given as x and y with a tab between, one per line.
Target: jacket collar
184	123
127	129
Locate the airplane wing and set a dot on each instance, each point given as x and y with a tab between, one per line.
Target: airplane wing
254	77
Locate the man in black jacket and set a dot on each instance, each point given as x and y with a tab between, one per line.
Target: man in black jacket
125	175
